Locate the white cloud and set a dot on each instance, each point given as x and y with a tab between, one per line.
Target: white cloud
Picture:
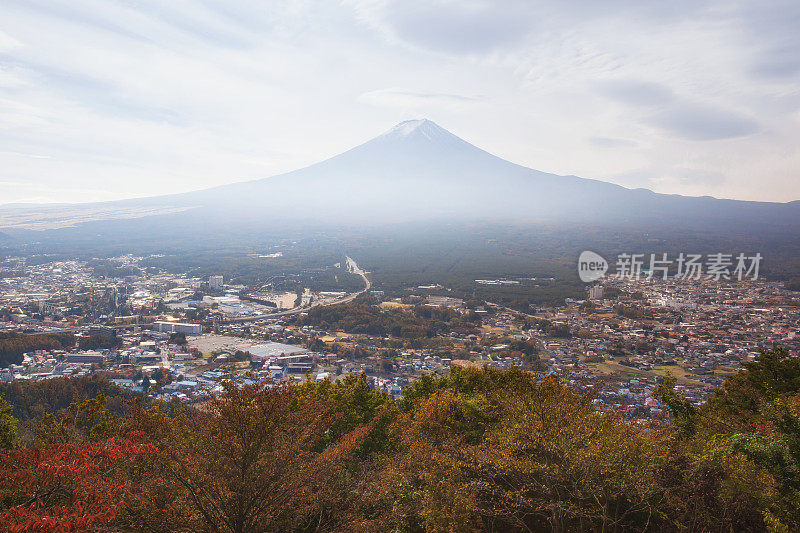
410	99
704	123
134	99
7	42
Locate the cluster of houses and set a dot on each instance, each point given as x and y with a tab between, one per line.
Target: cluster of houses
620	343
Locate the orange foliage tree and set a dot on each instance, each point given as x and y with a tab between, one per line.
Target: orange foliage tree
246	460
67	487
498	450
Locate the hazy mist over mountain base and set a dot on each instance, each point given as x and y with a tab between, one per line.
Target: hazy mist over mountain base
415	204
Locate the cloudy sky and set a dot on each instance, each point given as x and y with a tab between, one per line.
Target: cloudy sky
104	99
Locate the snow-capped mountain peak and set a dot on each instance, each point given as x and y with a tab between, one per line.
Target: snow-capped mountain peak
419	127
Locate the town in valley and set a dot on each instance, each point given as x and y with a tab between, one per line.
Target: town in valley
170	335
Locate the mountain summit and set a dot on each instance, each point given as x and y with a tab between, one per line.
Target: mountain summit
419	170
424	128
421	126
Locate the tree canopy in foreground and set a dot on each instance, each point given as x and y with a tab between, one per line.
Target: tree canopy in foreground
477	450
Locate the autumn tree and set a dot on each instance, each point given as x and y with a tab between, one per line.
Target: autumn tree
81	422
8	427
477	449
245	461
353	403
503	450
67	487
757	410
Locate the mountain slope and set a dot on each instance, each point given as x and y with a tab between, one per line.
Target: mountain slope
418	171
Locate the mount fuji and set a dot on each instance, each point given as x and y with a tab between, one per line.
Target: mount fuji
417	171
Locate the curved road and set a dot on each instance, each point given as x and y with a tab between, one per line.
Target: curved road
352	267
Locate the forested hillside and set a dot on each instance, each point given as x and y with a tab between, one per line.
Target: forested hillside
480	449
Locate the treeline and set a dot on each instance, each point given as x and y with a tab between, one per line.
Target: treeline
98	342
635	312
13	345
108	268
361	316
31	400
556	330
477	450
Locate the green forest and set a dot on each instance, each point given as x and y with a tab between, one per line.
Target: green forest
13	345
361	316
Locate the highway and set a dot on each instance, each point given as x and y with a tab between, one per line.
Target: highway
351	266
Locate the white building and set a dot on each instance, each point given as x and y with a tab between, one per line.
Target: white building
178	327
596	292
215	283
676	304
86	357
47	308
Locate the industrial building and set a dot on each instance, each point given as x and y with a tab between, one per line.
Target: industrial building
178	327
86	358
275	350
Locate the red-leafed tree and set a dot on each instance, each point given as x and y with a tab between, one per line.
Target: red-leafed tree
67	487
248	460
